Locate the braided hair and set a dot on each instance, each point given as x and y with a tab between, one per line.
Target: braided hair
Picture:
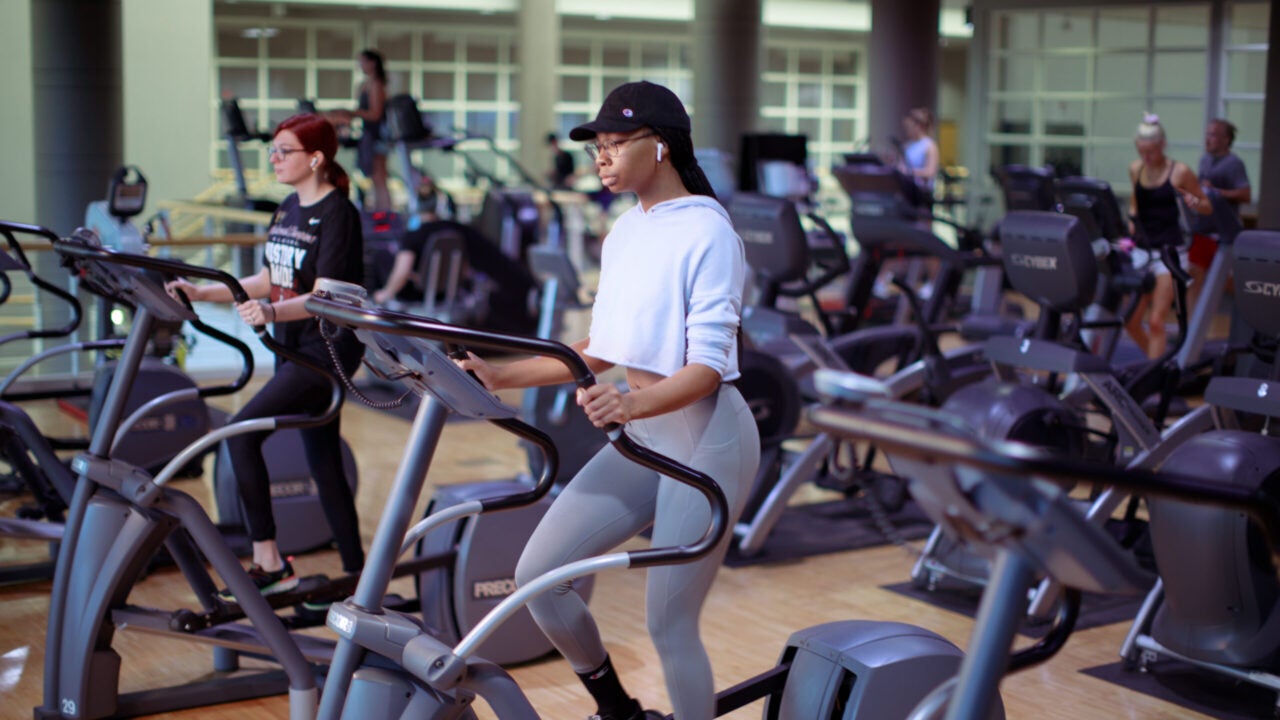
680	148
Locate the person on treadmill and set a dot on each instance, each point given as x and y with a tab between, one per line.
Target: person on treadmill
371	109
315	233
668	311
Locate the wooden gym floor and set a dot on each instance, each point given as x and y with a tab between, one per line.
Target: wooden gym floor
748	617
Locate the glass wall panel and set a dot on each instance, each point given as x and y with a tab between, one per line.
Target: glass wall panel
1099	68
1063	117
1179	73
810	128
809	61
1002	155
1179	25
1066	160
437	86
336	43
1117	118
289	42
335	84
1066	72
844	97
615	57
1011	117
574	51
1121	72
844	63
1014	73
234	41
1183	121
1110	162
775	60
1246	71
287	83
575	89
439	47
773	93
1071	28
482	86
1123	27
1246	115
1017	30
239	82
482	123
1247	23
394	44
653	55
482	49
809	95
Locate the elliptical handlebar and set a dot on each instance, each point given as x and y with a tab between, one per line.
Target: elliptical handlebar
924	433
18	255
411	325
80	254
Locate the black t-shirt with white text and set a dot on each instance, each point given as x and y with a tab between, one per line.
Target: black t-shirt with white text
307	242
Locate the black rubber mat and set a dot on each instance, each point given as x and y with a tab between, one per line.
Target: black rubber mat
1194	689
827	527
1095	610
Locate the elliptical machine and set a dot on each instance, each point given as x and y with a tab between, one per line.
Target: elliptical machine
1217	602
861	668
1011	496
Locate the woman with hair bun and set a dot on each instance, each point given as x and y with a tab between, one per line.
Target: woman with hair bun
668	311
314	233
1162	186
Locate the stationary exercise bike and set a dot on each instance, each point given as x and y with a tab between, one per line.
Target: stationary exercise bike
388	665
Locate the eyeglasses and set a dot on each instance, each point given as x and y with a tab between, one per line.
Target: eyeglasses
283	152
613	149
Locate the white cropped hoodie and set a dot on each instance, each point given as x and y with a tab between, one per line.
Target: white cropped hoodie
671	281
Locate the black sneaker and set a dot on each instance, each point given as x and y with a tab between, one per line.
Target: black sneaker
268	583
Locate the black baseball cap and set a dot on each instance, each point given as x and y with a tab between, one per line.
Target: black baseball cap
635	105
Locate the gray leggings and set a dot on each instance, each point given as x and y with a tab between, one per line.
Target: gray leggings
611	500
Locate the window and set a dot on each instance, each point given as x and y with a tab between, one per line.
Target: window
463	77
1088	74
1074	99
815	89
593	63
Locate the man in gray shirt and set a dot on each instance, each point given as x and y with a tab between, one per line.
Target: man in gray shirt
1222	171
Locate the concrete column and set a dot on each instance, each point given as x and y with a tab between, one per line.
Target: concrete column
538	29
166	60
726	47
76	78
902	65
1269	212
17	119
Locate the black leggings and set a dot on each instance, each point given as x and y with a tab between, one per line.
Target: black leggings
294	390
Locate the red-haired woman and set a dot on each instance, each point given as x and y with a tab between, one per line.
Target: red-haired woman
315	233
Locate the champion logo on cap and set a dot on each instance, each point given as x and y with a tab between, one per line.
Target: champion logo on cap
627	112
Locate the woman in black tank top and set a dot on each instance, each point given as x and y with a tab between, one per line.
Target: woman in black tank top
1159	184
371	103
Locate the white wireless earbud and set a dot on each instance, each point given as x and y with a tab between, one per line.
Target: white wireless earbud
314	162
659	152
